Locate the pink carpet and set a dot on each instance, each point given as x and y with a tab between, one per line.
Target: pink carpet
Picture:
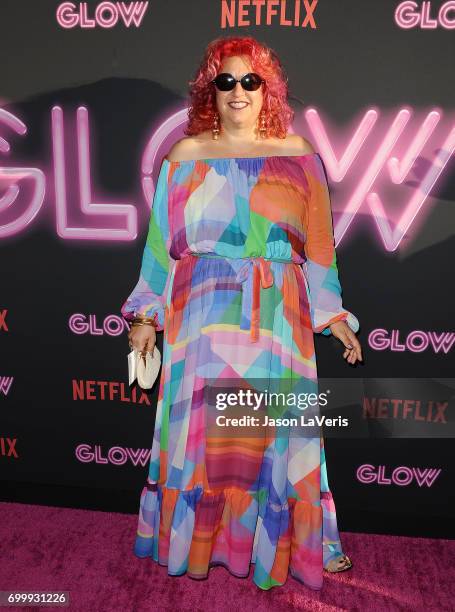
90	554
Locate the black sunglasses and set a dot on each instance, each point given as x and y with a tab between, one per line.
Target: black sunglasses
226	82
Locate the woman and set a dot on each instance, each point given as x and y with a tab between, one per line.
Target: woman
240	238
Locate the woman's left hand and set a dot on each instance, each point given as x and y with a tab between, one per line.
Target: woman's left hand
342	331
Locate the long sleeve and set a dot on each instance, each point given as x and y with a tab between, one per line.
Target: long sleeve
320	267
150	293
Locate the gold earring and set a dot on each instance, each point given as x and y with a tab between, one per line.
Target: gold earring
215	127
263	125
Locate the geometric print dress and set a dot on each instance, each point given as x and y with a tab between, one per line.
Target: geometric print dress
239	271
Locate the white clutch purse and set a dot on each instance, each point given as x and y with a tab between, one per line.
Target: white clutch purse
146	371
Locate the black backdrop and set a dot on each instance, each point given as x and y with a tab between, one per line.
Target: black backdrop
92	451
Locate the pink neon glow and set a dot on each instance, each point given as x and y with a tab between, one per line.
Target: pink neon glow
107	14
5	384
405	15
391	238
338	169
408	15
127	211
444	20
116	455
10	177
426	22
416	341
14	123
399	171
149	157
401	476
112	325
361	163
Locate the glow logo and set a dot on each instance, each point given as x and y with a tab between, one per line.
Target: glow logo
112	325
401	476
416	341
425	16
106	14
368	163
116	455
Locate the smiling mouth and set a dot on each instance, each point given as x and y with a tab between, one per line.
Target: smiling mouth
238	105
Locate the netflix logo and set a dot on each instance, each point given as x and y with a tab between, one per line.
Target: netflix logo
404	409
291	13
108	391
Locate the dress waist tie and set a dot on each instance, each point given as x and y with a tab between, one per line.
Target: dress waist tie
252	272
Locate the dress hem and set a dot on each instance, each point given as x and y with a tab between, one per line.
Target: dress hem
226	567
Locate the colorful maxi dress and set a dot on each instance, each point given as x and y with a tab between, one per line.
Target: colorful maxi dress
239	270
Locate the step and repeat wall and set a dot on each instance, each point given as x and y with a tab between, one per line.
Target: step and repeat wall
92	95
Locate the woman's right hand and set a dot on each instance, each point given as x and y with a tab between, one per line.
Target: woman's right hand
142	338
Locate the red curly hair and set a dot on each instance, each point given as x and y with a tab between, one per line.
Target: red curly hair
264	61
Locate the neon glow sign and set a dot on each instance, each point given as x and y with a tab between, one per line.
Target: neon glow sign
401	476
416	341
410	15
106	14
369	166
